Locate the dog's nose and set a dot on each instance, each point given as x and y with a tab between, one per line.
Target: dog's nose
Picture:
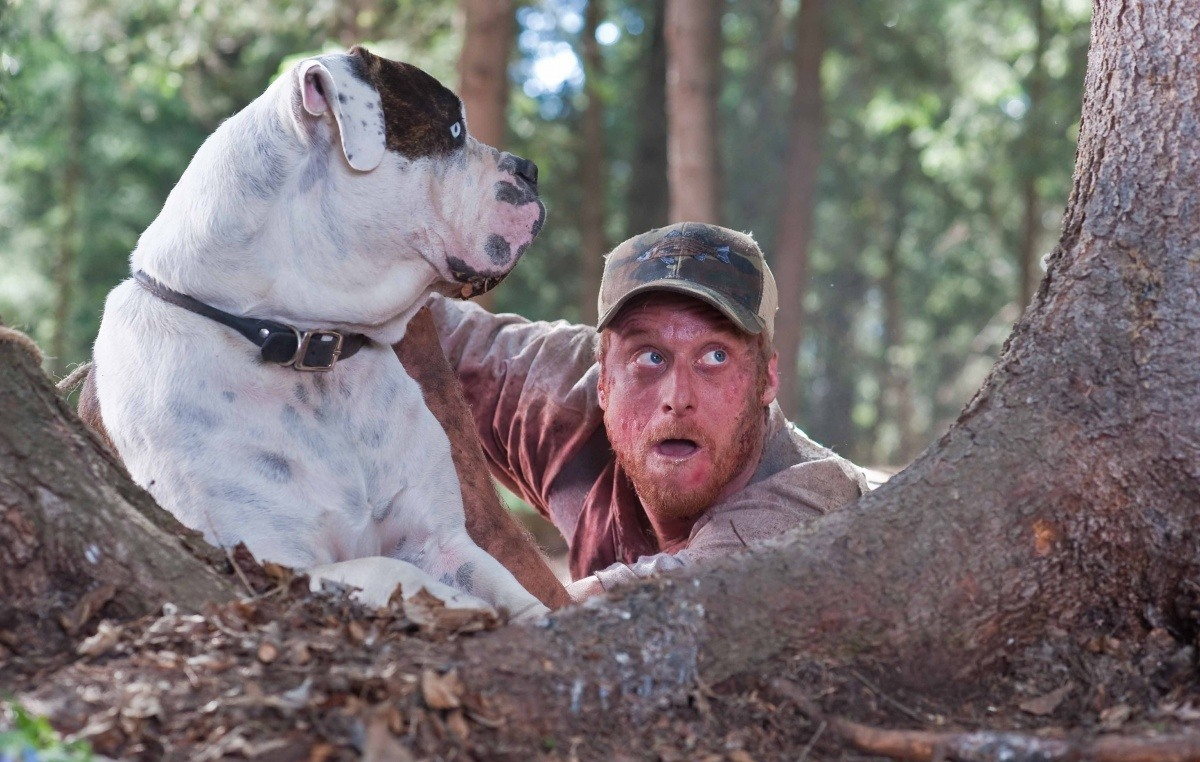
526	169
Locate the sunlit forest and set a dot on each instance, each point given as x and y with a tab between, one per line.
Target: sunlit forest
943	135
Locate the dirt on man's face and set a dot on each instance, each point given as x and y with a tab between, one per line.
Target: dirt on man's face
683	392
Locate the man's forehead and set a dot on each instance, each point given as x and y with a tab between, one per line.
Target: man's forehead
644	314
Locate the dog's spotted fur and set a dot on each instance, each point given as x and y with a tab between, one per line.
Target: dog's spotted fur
330	202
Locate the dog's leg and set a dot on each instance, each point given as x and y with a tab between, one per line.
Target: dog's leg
489	524
459	562
377	578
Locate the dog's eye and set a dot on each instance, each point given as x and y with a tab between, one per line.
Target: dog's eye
456	130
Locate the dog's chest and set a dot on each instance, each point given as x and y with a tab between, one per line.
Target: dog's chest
347	429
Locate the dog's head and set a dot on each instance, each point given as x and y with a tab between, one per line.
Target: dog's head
410	178
340	198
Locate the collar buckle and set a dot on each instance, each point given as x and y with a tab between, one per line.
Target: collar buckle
316	351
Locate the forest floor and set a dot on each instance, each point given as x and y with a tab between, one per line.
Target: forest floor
287	675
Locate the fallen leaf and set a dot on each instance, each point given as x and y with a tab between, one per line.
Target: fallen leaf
86	608
142	704
299	696
458	725
1115	716
299	654
379	745
268	652
441	691
107	635
1046	704
432	616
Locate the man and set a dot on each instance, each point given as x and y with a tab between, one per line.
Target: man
654	440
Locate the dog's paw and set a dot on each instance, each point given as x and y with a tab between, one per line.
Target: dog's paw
376	578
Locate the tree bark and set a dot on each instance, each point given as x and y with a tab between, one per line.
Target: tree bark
648	195
71	521
1030	162
593	243
797	209
489	27
693	35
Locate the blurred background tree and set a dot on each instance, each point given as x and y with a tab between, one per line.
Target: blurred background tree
904	163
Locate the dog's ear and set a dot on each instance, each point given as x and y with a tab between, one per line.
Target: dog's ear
329	83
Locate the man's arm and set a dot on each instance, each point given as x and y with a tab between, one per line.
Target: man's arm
765	510
489	524
531	389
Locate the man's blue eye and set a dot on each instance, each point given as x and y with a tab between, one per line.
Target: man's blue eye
650	358
715	357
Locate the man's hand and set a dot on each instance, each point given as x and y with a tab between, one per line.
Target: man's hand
585	588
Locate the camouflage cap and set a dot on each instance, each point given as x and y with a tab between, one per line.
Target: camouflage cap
719	266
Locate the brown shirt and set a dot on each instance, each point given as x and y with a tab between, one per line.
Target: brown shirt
532	389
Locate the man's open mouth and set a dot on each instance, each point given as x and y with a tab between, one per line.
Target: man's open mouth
677	448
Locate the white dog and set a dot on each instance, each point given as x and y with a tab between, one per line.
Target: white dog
310	227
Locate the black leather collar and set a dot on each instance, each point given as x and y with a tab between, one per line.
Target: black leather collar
279	343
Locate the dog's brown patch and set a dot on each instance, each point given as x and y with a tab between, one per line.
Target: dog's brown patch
418	111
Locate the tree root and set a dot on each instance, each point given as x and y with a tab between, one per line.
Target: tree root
987	746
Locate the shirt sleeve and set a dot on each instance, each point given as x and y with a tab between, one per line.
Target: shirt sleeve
766	509
531	387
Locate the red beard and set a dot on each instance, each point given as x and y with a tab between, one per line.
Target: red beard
666	497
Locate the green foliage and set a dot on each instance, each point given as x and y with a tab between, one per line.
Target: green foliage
31	739
929	137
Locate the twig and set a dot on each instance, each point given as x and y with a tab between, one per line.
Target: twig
238	570
74	379
906	711
813	741
977	746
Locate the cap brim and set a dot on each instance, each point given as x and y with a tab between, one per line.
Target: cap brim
737	314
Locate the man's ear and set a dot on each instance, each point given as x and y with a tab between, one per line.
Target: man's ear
602	388
772	387
330	83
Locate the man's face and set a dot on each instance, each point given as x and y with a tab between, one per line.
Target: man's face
682	391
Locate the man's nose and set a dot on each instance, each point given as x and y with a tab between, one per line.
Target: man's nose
679	391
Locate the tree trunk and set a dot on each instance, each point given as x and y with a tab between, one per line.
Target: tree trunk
593	241
1030	163
72	523
69	237
797	209
693	35
648	194
897	397
489	27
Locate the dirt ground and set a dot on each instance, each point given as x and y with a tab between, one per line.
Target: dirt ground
286	675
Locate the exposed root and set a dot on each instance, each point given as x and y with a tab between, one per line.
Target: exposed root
987	746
